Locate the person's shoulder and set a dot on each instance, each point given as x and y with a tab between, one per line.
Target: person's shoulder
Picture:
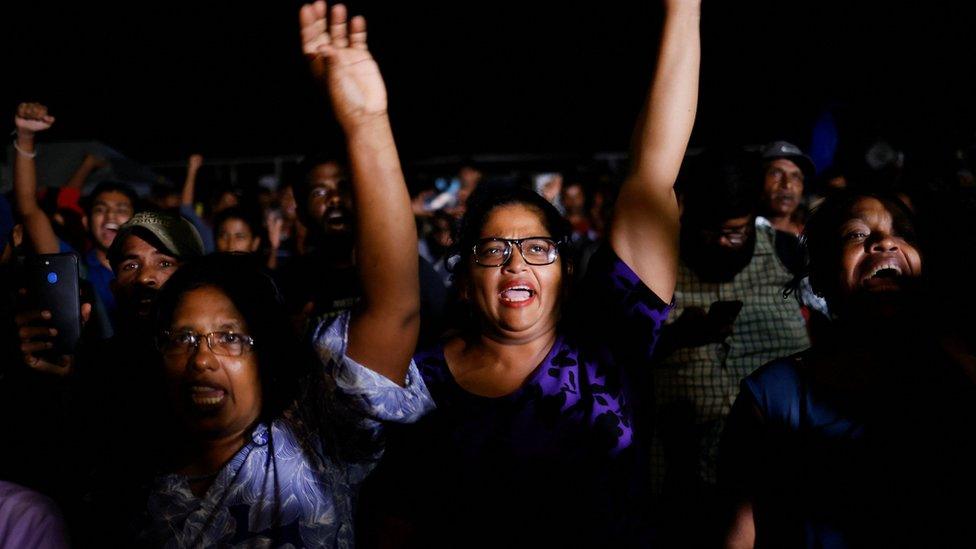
777	384
607	272
432	364
784	370
20	506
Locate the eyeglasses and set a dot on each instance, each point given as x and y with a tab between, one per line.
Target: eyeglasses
220	343
535	250
733	234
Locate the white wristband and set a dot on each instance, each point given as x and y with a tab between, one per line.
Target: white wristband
23	152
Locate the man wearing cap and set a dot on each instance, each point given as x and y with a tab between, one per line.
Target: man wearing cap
148	249
785	168
106	409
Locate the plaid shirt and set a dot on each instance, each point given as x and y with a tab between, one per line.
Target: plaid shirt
695	387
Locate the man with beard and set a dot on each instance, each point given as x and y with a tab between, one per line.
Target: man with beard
106	399
729	318
147	251
324	282
784	170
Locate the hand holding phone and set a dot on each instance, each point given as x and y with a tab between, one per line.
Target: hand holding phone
50	318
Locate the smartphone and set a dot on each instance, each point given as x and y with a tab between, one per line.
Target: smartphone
52	283
724	313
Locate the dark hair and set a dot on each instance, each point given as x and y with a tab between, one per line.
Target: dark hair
110	187
821	233
483	202
282	359
480	206
718	186
244	214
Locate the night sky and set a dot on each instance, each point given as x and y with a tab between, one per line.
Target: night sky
160	80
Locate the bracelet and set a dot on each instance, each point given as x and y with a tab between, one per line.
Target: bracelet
23	152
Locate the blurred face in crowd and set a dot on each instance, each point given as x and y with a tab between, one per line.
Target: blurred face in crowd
731	235
234	235
782	187
721	250
469	178
289	208
109	210
574	199
216	392
140	274
330	199
878	254
440	237
516	301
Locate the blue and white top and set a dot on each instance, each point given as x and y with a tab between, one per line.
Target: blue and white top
295	483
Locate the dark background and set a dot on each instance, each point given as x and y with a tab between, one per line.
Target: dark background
160	80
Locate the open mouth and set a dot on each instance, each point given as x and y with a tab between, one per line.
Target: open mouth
109	230
785	198
517	295
335	217
884	276
143	302
206	396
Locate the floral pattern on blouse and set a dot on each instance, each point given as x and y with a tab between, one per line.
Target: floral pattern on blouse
294	484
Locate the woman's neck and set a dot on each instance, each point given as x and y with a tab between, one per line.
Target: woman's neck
493	366
204	457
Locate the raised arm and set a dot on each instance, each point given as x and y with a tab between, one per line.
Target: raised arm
30	119
644	231
384	331
190	183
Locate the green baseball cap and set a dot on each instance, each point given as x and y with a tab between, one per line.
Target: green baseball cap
177	236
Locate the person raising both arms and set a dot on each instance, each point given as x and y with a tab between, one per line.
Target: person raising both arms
534	438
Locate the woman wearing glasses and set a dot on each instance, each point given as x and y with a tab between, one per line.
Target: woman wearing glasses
265	450
532	441
262	448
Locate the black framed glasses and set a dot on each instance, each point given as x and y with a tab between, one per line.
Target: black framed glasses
220	343
535	250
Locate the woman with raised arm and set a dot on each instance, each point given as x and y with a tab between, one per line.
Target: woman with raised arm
264	451
533	439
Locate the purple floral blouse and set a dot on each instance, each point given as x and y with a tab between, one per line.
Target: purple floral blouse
560	450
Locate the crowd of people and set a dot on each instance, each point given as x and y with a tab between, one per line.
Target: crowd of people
734	348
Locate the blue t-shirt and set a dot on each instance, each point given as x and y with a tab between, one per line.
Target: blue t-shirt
833	452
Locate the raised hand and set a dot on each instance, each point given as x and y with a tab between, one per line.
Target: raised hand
383	332
32	118
340	61
195	161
